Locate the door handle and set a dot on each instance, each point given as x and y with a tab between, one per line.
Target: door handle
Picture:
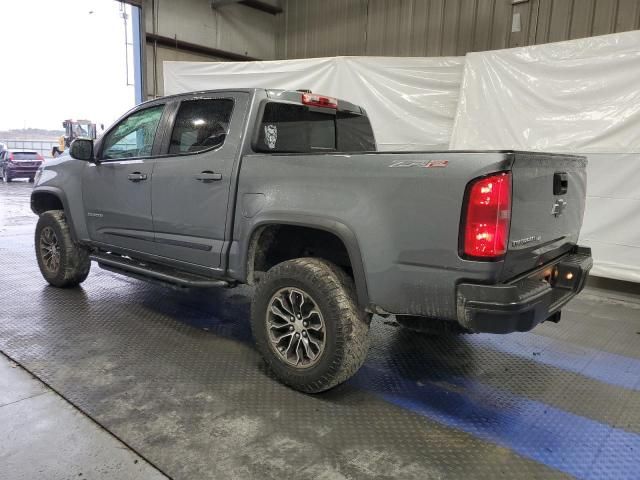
208	176
137	176
560	183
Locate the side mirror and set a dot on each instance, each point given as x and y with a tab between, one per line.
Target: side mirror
82	149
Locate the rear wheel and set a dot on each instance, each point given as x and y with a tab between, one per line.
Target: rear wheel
62	262
31	179
430	326
307	324
5	176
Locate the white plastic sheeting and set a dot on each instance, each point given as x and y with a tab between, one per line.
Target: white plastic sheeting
580	96
411	101
612	216
576	96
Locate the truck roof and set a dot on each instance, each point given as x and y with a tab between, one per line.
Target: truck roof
276	94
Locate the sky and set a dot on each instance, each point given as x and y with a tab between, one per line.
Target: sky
63	59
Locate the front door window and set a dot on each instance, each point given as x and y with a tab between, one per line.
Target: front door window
133	136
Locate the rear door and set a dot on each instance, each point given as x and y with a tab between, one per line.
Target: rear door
116	190
191	181
548	195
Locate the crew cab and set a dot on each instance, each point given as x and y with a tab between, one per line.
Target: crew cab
285	190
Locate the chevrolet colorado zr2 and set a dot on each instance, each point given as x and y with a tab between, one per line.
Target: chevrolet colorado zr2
285	190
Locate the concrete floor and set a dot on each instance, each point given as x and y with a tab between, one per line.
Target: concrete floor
175	376
43	436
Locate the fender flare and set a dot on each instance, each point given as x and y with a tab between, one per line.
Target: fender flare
60	195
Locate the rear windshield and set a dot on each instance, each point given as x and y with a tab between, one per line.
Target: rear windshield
290	128
354	133
25	155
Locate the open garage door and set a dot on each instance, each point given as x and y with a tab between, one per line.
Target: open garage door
73	69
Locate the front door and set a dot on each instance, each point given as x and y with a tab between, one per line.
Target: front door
191	183
116	189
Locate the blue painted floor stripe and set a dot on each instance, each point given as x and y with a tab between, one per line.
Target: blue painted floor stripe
564	441
605	367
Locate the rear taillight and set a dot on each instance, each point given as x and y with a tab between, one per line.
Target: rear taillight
40	157
10	157
485	230
314	100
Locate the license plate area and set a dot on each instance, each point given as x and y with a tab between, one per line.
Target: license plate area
560	275
565	276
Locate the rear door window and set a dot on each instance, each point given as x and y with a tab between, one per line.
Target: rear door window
200	125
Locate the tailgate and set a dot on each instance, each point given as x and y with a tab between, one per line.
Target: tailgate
548	198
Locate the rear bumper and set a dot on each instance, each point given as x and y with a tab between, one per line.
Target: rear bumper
520	305
19	171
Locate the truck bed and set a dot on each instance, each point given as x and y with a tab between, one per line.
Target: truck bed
413	202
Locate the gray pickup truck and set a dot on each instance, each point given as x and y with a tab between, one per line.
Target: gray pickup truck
285	190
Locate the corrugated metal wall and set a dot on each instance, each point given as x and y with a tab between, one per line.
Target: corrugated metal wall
167	54
317	28
233	29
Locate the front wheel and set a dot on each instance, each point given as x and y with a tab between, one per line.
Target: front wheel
307	324
62	262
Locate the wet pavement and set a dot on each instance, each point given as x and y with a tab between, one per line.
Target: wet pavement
14	205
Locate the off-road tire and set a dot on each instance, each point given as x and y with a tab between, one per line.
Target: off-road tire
346	324
430	326
74	261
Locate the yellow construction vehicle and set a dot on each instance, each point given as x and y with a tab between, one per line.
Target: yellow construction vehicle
73	129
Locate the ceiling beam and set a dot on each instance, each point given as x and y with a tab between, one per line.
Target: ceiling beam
256	4
195	48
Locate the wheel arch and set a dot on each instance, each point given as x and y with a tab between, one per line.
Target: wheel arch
339	230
